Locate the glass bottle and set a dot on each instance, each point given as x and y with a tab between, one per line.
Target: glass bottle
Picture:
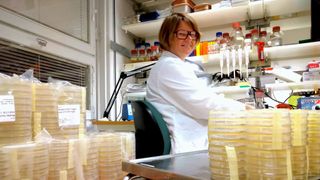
216	45
254	36
263	37
276	37
134	55
237	35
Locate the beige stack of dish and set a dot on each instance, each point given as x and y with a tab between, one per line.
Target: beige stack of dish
19	130
299	143
27	161
46	99
89	155
109	156
63	159
314	143
268	133
5	170
128	145
226	133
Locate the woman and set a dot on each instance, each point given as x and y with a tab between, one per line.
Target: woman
174	89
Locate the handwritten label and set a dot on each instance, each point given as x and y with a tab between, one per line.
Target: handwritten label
69	114
7	110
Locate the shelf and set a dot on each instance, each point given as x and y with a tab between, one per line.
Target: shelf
114	123
274	53
293	51
132	66
307	85
114	126
223	16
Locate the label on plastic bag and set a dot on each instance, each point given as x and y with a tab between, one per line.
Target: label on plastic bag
7	110
69	114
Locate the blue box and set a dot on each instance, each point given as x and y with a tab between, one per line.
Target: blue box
310	103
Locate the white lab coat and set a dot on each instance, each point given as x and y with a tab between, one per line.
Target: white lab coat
184	102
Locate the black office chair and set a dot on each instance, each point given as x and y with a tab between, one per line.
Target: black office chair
152	134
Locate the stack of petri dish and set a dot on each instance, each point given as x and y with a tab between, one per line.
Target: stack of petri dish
62	159
5	169
28	161
109	156
89	153
46	98
299	143
226	134
128	145
19	130
73	95
268	138
45	109
314	143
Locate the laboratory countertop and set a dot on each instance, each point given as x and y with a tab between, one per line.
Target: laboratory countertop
117	126
98	122
187	166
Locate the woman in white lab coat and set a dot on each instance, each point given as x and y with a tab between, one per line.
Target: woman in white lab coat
174	89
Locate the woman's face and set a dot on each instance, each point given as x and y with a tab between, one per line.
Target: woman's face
183	41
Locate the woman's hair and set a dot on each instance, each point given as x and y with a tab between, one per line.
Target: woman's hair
170	25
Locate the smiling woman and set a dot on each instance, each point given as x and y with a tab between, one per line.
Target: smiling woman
174	89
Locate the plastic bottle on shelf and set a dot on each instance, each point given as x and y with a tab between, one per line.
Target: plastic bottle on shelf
137	48
263	37
147	46
158	50
254	36
153	53
237	35
247	50
226	42
142	54
134	55
276	37
254	48
216	45
148	54
247	40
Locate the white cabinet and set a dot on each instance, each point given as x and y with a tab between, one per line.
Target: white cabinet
49	32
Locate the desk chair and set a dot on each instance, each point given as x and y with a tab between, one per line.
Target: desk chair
152	134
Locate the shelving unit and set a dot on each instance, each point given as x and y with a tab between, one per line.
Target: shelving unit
223	16
278	53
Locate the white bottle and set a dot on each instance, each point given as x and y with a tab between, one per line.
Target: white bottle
275	37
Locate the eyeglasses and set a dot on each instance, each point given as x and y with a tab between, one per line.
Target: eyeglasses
182	34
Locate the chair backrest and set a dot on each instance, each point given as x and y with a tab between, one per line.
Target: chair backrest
151	132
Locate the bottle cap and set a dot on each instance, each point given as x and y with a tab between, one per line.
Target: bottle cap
218	34
133	51
276	29
263	33
248	36
254	31
156	43
154	48
236	25
225	35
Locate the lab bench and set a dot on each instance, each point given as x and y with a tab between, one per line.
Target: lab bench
187	166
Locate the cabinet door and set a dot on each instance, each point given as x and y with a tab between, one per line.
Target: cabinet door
56	23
